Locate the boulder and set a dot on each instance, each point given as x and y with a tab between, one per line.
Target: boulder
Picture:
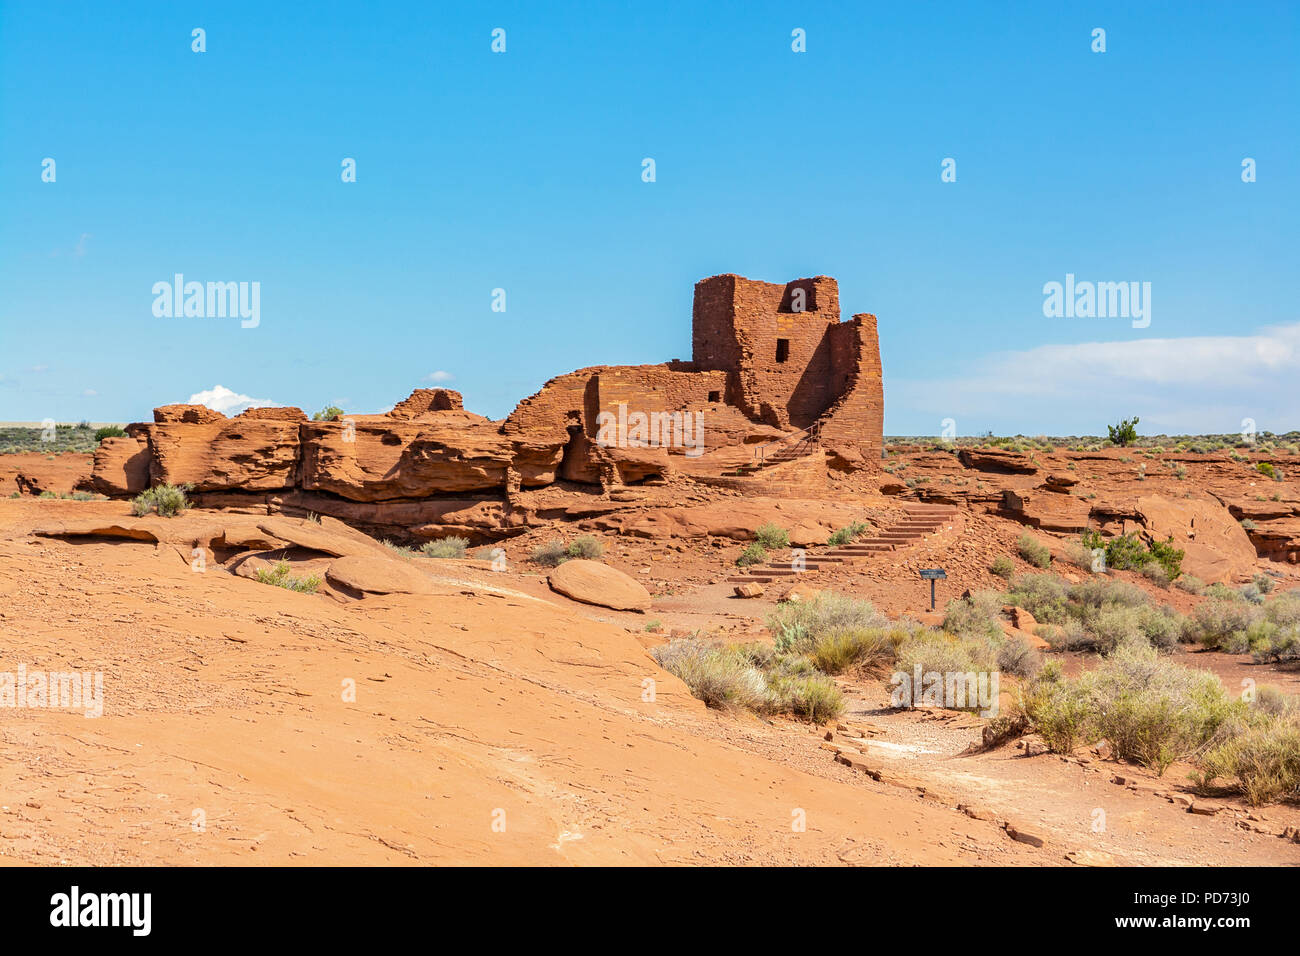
800	592
749	589
328	536
594	583
1218	548
378	574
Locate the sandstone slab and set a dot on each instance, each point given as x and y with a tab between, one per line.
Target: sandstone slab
594	583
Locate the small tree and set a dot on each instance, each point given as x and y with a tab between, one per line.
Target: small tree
1125	433
328	414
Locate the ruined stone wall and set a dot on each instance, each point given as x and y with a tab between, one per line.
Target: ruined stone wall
655	388
852	429
780	355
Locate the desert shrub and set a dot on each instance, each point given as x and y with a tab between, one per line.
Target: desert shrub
1045	596
329	413
1284	610
848	534
1058	709
813	697
167	500
1126	553
979	614
869	648
449	547
1264	760
1152	711
1015	656
1003	567
1157	575
1080	557
108	431
772	537
1275	702
1220	625
1190	583
943	653
722	677
1034	551
1070	635
279	576
585	546
796	625
1264	583
398	550
1268	471
551	554
1221	592
1280	646
654	627
1123	434
1251	593
754	554
1099	592
1169	558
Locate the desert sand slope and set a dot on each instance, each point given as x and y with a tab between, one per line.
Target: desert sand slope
226	737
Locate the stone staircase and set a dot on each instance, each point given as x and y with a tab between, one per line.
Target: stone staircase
777	452
918	521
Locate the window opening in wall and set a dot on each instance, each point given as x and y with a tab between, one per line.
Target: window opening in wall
782	350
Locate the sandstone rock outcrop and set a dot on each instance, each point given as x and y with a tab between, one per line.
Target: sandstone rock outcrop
772	363
594	583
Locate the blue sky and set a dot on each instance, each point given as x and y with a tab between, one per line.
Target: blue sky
522	171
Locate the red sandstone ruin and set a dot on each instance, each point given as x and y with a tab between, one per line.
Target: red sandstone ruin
778	383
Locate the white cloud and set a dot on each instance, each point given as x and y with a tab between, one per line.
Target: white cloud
222	399
1194	384
90	393
439	376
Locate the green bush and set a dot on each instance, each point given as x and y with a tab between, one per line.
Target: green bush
796	625
329	413
1125	433
849	534
1220	625
552	554
280	577
1190	583
1152	711
813	697
1045	596
753	554
978	615
586	547
167	500
772	537
1003	567
1268	471
719	676
867	649
1016	656
108	431
449	547
1264	760
1033	551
